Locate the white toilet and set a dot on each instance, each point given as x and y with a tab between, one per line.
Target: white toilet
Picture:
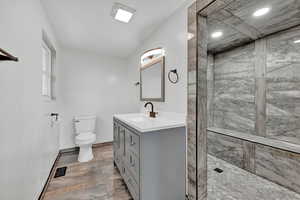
85	136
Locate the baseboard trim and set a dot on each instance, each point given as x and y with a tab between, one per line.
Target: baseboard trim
70	150
50	176
76	149
97	145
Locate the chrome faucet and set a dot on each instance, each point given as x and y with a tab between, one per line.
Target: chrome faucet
152	113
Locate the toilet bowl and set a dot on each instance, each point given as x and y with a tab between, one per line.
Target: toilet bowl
85	136
85	142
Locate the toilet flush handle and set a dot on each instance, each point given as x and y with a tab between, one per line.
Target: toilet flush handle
76	121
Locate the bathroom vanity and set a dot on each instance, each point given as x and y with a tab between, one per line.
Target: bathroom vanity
150	155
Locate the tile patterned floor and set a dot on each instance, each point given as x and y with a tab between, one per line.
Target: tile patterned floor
237	184
97	179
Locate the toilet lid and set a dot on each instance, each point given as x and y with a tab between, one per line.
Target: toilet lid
86	136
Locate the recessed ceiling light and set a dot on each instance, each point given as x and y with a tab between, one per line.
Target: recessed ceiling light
217	34
261	12
297	41
122	12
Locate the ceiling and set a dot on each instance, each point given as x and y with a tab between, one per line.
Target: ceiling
87	24
234	18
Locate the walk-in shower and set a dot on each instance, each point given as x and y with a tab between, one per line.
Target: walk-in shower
246	69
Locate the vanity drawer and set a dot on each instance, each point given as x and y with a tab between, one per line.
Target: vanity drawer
133	164
122	141
124	171
130	183
118	160
133	142
115	154
116	137
132	186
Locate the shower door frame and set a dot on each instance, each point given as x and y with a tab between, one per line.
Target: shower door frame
197	96
197	101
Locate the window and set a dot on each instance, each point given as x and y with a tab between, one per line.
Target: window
48	56
46	71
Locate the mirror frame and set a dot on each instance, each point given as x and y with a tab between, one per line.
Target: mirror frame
158	60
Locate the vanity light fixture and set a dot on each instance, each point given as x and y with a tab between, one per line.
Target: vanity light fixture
217	34
122	13
261	12
152	54
297	41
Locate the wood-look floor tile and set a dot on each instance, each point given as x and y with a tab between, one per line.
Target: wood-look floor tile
97	179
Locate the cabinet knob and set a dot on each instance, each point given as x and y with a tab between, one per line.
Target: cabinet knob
131	141
132	163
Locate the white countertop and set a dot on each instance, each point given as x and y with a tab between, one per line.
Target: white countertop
143	123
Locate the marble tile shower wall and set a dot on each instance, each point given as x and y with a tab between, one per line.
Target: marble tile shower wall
256	90
234	90
283	86
236	81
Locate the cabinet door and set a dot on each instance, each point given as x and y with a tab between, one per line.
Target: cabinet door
116	137
116	146
122	141
133	142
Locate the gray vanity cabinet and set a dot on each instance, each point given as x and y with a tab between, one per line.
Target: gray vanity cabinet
126	157
152	164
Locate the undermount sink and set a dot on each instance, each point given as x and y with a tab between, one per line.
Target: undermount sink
144	123
138	119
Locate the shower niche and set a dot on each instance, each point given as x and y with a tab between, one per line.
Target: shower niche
252	53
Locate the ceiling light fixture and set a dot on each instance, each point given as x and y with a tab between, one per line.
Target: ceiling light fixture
122	12
217	34
297	41
261	12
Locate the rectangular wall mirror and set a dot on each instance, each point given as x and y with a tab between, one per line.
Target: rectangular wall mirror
152	87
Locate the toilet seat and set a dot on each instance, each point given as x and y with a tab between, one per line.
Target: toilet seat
85	138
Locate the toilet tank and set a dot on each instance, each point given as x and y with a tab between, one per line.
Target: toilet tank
83	124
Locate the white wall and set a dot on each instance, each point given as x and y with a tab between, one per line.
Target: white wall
28	145
172	36
92	84
86	84
101	85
